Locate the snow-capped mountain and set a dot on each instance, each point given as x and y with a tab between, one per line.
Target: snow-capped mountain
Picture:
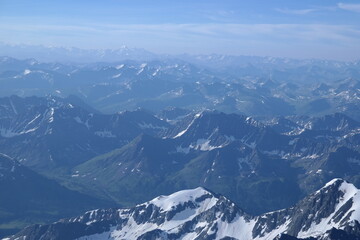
209	130
173	82
201	214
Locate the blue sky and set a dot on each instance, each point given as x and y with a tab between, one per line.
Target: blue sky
299	29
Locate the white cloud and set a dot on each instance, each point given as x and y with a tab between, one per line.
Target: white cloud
217	30
349	7
307	40
296	11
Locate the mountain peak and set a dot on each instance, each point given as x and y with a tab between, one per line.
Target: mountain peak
199	214
166	203
333	206
339	184
334	182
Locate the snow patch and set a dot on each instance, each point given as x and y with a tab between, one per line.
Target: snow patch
116	76
204	144
50	115
144	125
105	134
187	128
166	202
86	123
120	66
180	149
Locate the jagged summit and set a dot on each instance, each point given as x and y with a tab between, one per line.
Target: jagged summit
335	205
164	202
199	214
335	182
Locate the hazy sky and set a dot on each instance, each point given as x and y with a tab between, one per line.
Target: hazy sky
291	28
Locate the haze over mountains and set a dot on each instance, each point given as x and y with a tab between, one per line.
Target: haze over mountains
75	55
78	55
227	120
248	85
263	132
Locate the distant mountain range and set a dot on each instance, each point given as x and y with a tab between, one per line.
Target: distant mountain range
74	55
313	88
117	128
331	213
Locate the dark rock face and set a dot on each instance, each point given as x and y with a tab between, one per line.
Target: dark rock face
288	237
337	234
315	208
269	222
